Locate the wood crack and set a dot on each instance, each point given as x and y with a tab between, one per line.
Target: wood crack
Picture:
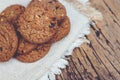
98	77
110	10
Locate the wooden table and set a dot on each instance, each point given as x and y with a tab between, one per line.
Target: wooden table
99	60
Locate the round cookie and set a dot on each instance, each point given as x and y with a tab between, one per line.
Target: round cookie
63	30
12	12
35	54
36	25
25	47
8	41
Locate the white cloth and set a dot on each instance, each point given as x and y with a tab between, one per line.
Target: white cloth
55	59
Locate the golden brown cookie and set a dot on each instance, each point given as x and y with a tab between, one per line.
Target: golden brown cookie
35	54
12	12
36	25
63	30
8	41
25	47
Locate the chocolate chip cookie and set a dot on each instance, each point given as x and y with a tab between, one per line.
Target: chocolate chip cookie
12	12
25	47
36	25
63	30
35	54
8	41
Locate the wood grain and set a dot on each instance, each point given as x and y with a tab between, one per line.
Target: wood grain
99	60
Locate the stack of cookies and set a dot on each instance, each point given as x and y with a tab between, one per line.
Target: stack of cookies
28	33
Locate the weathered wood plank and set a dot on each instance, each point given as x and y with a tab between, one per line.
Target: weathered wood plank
99	60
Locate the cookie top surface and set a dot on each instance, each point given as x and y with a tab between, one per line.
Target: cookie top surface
3	18
35	54
54	7
25	47
63	30
12	12
8	41
36	25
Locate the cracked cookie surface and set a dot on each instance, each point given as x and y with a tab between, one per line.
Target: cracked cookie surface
35	54
8	41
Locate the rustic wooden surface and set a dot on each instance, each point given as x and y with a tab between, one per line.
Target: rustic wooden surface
99	60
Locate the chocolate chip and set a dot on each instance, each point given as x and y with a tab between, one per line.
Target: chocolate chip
57	8
54	18
50	2
52	25
59	22
39	16
1	49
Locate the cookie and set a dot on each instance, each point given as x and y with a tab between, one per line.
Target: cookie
54	7
25	47
36	25
63	30
8	41
35	54
12	12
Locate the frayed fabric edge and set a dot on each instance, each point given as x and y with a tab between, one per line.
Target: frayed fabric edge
93	15
62	62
